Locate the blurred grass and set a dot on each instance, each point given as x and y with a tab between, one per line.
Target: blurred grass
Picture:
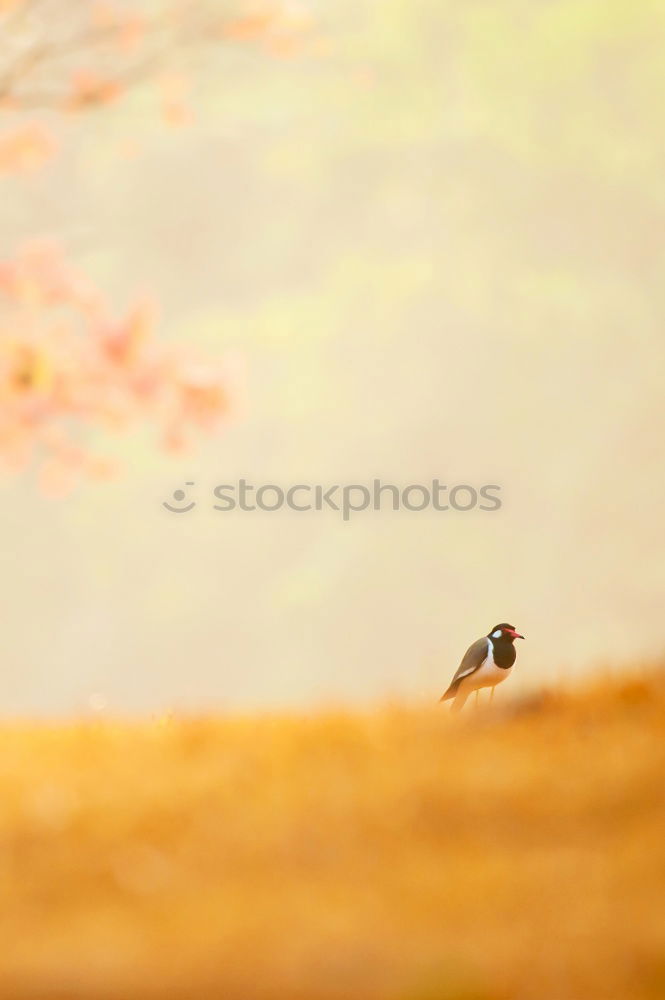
398	854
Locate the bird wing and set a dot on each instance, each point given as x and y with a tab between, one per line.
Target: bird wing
472	660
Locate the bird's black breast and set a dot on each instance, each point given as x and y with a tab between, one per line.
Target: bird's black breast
504	653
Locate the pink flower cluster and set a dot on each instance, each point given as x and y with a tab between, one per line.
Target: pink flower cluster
69	368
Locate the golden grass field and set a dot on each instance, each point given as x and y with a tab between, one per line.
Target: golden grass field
397	854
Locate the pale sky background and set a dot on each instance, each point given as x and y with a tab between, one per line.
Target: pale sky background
437	240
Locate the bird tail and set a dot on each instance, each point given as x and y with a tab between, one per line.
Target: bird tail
451	692
455	693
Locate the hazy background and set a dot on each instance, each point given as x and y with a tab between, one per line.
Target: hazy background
436	236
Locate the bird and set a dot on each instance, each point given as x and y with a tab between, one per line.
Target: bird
486	663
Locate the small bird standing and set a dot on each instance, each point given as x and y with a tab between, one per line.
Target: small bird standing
486	663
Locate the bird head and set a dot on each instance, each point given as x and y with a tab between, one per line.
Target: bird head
504	631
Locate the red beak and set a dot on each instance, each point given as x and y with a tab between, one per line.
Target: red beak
514	634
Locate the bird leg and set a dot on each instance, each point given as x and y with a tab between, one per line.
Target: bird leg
491	694
477	694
